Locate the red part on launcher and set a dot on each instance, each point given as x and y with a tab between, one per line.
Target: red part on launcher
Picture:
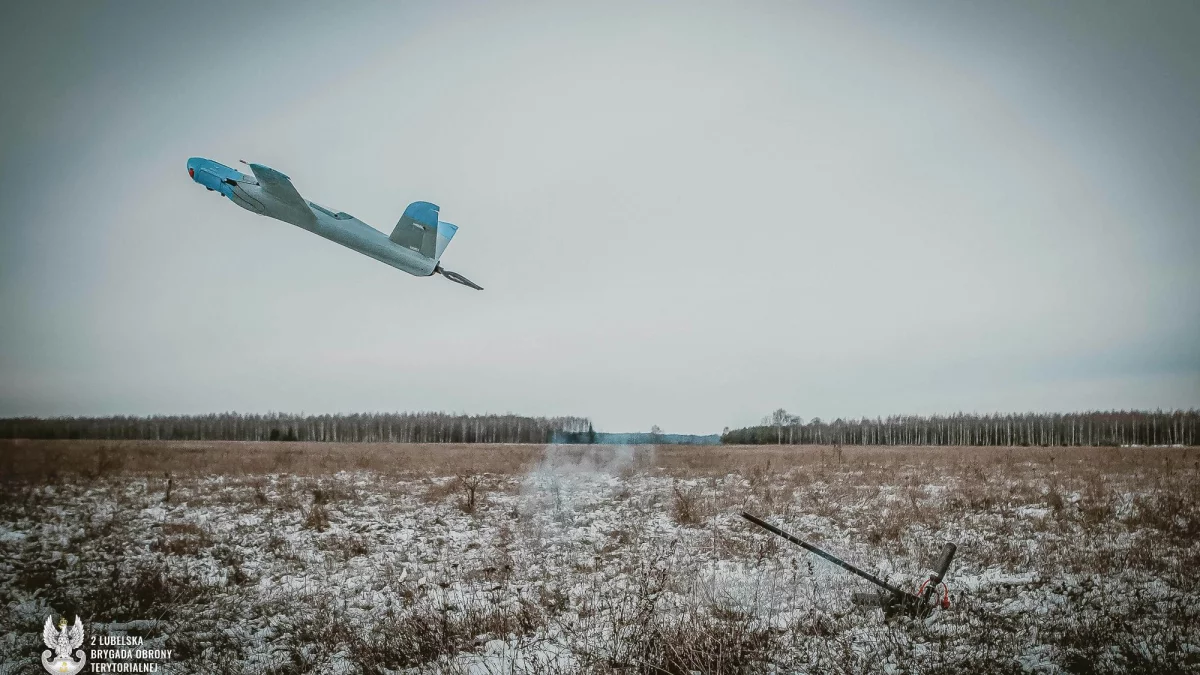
945	601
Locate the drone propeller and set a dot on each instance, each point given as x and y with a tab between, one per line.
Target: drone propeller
456	277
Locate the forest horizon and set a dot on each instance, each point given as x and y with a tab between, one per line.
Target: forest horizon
1089	428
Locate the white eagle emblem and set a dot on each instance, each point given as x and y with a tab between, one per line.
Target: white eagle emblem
62	640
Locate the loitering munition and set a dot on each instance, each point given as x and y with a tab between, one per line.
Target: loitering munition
415	245
894	599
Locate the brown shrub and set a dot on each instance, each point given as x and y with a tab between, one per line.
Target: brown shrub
469	485
688	506
316	518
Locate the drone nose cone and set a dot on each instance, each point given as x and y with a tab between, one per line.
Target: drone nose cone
211	175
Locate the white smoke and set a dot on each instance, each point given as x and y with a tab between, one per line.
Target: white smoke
570	478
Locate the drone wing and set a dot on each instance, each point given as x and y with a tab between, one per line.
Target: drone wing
50	634
280	187
76	634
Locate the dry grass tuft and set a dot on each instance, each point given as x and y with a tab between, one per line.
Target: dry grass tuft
316	517
689	507
182	539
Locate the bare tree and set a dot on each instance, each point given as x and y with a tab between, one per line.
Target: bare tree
778	419
794	422
470	485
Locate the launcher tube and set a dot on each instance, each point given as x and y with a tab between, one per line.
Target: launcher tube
836	561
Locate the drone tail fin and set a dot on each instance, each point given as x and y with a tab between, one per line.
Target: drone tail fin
419	230
445	232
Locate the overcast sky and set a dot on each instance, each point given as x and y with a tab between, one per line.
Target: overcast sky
684	214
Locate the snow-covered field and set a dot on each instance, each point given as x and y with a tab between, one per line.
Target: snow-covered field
606	559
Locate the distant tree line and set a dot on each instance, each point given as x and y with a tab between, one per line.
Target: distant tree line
428	427
652	438
1177	427
586	436
1111	428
